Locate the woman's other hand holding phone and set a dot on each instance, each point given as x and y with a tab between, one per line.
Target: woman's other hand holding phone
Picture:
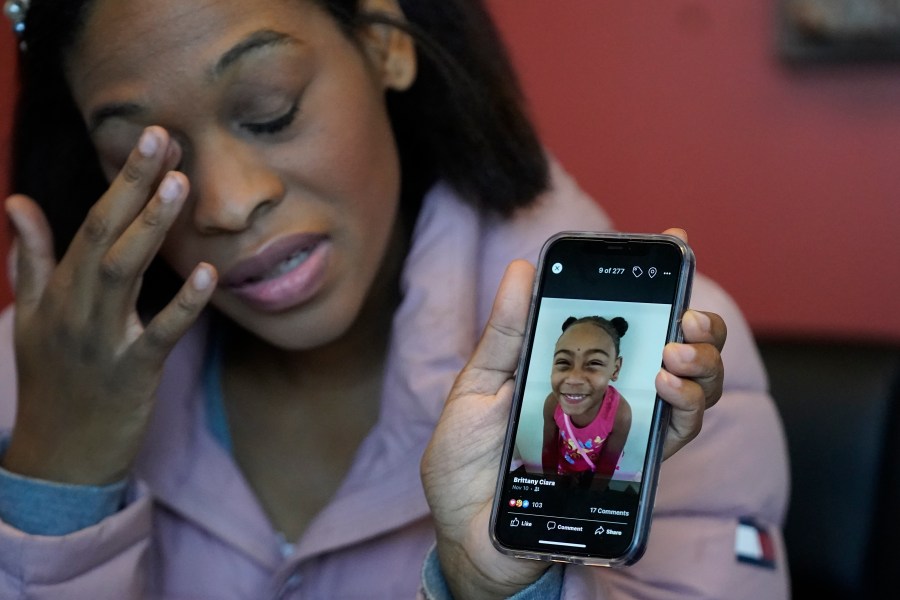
692	377
460	465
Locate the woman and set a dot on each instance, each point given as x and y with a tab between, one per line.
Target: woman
339	186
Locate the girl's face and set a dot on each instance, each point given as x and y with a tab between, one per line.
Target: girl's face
584	363
285	139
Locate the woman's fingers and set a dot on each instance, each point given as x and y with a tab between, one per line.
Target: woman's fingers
165	329
700	327
128	194
677	232
131	254
692	377
35	258
699	358
700	363
95	285
497	353
99	277
688	403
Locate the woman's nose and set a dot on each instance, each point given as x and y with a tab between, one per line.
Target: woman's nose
231	185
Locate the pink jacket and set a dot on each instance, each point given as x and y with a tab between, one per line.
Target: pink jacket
192	528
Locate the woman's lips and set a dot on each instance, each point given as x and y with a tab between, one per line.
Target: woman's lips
283	274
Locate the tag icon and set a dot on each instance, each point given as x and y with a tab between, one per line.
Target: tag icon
651	272
637	271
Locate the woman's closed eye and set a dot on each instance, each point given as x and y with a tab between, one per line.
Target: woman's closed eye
275	125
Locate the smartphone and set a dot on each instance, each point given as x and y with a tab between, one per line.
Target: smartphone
585	437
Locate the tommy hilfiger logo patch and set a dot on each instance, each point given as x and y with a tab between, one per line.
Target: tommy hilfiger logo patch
753	544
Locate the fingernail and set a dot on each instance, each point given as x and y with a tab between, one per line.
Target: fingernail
701	320
148	144
202	278
10	212
15	218
169	189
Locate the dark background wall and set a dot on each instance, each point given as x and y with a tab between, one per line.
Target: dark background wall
681	113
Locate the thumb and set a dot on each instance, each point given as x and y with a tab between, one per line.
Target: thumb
35	259
497	353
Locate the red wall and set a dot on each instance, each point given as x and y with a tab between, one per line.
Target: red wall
7	73
679	113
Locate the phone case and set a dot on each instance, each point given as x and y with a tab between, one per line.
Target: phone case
659	422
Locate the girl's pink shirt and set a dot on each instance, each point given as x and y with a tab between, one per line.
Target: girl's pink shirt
587	441
193	529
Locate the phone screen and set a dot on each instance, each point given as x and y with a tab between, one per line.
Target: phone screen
586	429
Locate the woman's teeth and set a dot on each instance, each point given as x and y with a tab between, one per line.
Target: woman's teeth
286	266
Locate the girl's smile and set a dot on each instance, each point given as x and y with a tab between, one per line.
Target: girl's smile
574	398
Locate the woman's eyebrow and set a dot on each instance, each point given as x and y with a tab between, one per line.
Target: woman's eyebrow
255	41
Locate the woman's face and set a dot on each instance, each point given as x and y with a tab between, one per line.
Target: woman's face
285	139
584	363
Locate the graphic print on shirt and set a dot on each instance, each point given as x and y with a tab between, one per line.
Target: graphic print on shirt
580	447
